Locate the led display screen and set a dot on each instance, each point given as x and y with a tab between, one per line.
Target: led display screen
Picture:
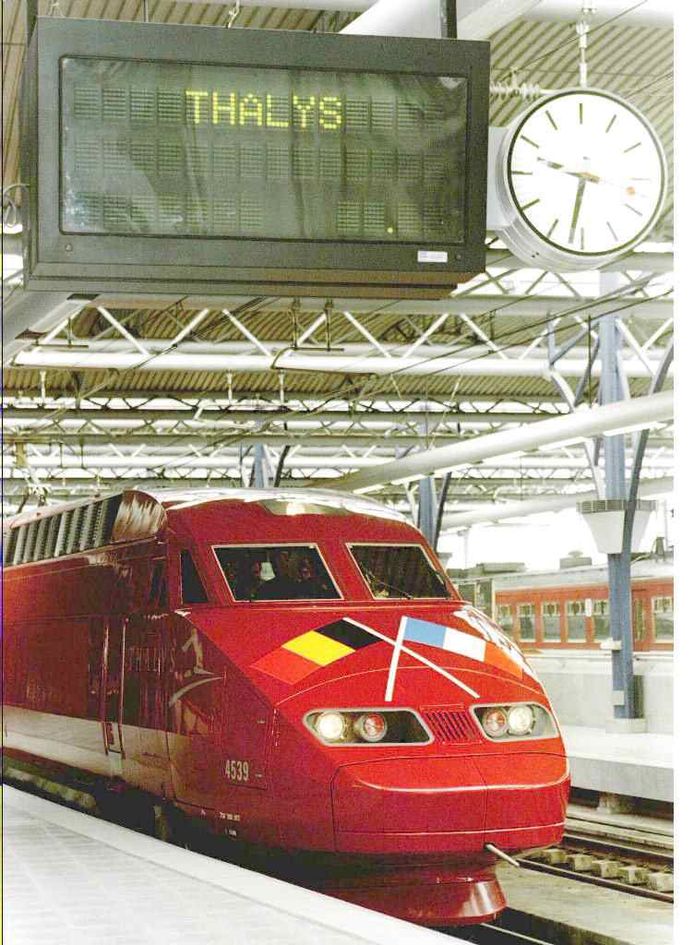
183	149
189	160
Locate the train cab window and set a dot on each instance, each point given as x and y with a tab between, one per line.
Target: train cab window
192	588
663	618
276	572
576	620
397	571
601	619
551	621
526	619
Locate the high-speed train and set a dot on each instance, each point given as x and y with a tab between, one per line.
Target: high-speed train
294	671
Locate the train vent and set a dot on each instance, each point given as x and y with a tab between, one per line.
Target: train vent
451	725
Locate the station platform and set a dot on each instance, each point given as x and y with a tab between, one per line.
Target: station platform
632	765
71	879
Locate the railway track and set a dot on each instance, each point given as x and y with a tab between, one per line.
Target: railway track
635	859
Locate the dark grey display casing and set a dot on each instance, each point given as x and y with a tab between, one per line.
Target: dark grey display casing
133	263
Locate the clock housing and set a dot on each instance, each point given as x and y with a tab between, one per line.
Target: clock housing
582	177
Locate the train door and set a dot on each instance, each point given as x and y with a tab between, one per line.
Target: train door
112	705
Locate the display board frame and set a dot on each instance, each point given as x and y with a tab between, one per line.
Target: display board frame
189	265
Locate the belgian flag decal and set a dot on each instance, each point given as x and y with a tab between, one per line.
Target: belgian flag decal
306	653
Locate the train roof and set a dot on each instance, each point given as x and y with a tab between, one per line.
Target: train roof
135	514
582	575
314	500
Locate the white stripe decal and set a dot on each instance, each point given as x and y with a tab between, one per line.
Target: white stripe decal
418	657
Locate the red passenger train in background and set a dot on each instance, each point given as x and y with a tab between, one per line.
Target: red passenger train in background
292	669
570	609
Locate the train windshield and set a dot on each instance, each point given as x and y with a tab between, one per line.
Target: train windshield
399	571
276	572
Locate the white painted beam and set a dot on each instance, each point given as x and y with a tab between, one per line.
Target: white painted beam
354	359
500	511
633	414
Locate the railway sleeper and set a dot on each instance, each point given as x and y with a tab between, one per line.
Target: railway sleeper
633	875
581	862
661	882
607	869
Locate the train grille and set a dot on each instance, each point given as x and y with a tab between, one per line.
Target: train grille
451	725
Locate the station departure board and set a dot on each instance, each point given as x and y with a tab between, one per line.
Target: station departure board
174	149
196	160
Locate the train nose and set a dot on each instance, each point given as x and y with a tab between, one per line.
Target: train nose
448	805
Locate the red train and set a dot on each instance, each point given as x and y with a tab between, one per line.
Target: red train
292	669
569	609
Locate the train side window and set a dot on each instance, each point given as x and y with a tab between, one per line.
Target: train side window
601	619
526	614
551	621
504	617
663	618
576	620
192	588
157	589
638	620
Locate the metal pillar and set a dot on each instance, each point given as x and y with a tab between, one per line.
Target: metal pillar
262	473
427	513
619	565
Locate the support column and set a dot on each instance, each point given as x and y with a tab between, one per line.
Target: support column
619	565
427	513
262	473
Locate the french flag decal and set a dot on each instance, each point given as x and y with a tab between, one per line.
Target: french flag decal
492	648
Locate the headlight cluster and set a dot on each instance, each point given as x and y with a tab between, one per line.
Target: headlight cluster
520	720
366	727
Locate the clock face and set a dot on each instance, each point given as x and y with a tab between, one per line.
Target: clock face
586	172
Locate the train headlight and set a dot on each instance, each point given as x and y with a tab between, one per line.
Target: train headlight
495	722
340	727
510	722
371	727
521	719
331	726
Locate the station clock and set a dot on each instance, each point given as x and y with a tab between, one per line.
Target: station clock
581	177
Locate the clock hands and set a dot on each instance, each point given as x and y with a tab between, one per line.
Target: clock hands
577	208
590	177
584	175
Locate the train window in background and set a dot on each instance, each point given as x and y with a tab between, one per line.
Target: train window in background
276	572
192	588
601	619
663	618
638	620
576	620
397	571
551	621
504	617
526	614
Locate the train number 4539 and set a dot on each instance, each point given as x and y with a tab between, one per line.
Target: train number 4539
236	770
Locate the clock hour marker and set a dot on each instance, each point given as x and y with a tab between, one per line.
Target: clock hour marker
529	173
551	229
633	209
580	112
530	141
583	239
612	121
611	229
551	120
531	204
633	147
